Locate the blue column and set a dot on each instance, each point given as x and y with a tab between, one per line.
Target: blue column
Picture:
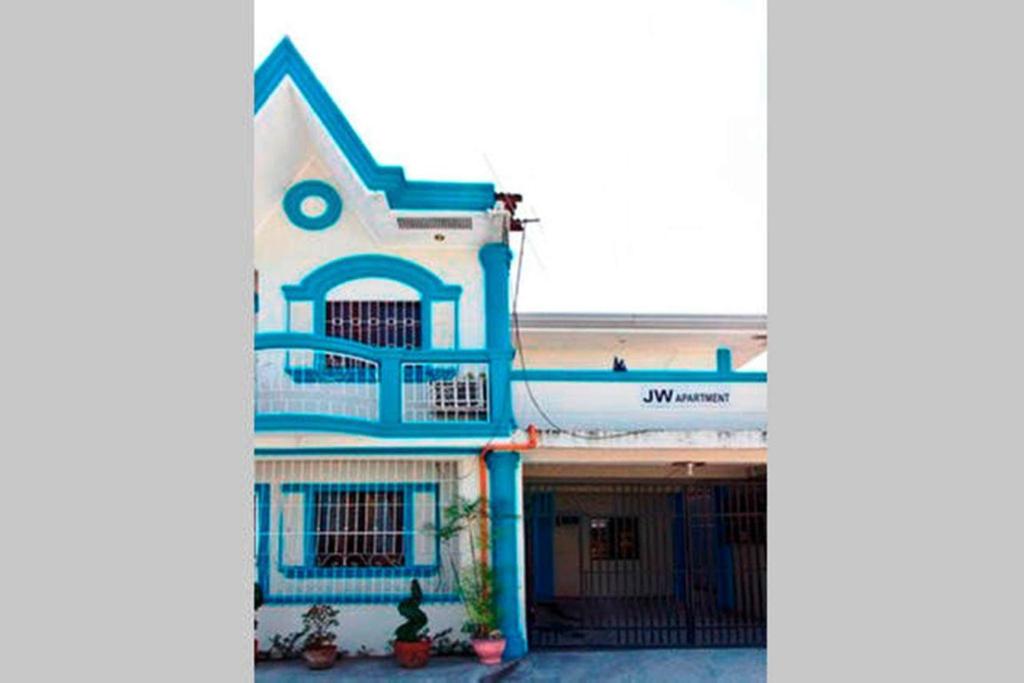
506	534
496	258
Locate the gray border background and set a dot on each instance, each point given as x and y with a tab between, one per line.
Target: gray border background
894	217
127	286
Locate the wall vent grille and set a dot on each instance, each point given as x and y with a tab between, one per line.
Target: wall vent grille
434	223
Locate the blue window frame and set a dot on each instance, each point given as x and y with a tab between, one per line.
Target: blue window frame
359	530
261	528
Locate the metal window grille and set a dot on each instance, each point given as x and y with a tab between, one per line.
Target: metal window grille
390	324
360	529
351	530
445	393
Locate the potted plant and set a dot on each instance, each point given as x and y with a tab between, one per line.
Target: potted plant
476	588
319	650
412	645
474	580
255	624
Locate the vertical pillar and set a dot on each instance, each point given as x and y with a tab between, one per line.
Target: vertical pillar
390	390
496	258
506	546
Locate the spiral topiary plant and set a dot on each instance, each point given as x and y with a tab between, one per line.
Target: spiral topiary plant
415	627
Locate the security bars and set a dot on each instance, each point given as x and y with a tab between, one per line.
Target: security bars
356	531
646	564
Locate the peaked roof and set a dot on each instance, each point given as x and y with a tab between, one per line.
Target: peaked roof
285	60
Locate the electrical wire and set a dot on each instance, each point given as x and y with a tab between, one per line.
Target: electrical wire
526	382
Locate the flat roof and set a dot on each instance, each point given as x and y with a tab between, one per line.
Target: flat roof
644	340
643	321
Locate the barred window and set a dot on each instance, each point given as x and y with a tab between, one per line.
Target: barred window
360	528
376	323
391	324
613	538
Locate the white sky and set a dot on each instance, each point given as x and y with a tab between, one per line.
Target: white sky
636	132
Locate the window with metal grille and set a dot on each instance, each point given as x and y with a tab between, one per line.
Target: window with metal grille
360	528
613	538
391	324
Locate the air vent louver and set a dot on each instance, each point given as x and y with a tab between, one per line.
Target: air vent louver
434	223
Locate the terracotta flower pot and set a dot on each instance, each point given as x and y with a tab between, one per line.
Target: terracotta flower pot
321	657
412	655
489	650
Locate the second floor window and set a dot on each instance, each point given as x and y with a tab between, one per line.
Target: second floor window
391	324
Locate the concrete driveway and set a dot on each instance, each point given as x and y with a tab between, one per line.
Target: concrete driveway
691	666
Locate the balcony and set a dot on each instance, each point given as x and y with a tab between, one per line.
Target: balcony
312	383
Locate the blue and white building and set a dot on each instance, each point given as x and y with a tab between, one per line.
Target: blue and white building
390	379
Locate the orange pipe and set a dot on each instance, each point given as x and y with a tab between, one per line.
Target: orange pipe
530	444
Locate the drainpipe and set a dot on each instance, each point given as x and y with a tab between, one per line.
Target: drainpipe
530	444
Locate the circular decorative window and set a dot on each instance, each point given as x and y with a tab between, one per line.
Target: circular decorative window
312	205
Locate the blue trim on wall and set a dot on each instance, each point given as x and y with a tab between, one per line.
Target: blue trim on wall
316	342
708	376
303	190
542	528
357	598
371	451
339	271
503	467
309	570
321	374
285	60
262	493
302	422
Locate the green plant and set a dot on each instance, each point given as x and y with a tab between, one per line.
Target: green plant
284	647
317	621
415	627
474	580
443	644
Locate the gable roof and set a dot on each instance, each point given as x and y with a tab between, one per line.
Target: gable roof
401	194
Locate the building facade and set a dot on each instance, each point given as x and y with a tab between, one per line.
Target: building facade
392	379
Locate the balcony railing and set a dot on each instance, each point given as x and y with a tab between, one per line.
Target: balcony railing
309	382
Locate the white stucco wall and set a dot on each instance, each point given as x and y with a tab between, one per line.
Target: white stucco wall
617	405
291	145
369	626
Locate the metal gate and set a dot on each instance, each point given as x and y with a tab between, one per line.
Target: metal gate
646	565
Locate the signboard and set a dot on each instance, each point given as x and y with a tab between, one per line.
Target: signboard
623	405
680	397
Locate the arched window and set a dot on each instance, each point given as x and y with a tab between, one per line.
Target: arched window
376	300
